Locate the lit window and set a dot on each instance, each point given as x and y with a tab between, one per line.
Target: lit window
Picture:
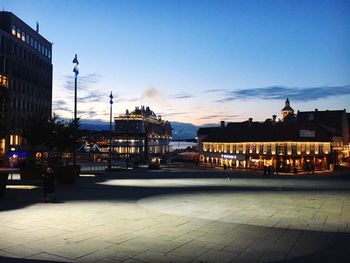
254	148
320	149
13	30
312	148
240	148
261	148
23	36
280	149
3	81
268	149
294	148
18	32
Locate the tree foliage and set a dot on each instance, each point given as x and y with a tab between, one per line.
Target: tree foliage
54	133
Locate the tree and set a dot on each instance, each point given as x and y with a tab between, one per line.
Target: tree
53	134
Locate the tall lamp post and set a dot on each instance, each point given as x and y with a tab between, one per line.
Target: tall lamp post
110	133
76	72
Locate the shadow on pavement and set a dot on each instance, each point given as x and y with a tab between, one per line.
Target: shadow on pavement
96	188
23	260
336	248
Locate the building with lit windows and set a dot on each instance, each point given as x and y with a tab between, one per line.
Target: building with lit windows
311	139
141	132
25	80
284	146
336	123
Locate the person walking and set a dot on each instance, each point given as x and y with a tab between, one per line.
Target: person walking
49	184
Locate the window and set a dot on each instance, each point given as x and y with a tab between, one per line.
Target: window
3	81
35	44
31	42
268	149
261	148
13	30
18	32
234	148
312	148
294	148
23	36
49	55
39	47
27	39
320	149
280	149
254	148
247	148
227	148
240	148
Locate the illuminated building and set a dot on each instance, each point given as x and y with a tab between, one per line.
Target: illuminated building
287	111
141	132
284	146
336	123
25	79
312	138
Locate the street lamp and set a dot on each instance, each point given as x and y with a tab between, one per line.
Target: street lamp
110	133
76	72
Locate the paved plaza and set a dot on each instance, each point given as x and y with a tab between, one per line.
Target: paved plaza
178	215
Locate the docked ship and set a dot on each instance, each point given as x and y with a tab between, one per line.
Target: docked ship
141	134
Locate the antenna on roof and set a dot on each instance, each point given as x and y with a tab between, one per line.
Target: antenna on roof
37	26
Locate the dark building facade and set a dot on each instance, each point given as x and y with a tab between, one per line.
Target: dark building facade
25	80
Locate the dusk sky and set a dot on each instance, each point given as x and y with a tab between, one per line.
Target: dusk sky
196	61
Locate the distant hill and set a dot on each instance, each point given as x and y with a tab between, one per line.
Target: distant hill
181	130
95	125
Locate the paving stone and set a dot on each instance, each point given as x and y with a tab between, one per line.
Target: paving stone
238	246
154	256
49	258
21	250
215	256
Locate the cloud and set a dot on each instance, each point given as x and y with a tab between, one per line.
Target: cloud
93	96
219	116
60	105
173	114
127	100
293	93
85	82
182	95
87	113
150	93
214	90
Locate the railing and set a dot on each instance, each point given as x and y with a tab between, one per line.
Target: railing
101	167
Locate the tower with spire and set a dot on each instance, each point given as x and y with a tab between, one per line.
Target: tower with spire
287	110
